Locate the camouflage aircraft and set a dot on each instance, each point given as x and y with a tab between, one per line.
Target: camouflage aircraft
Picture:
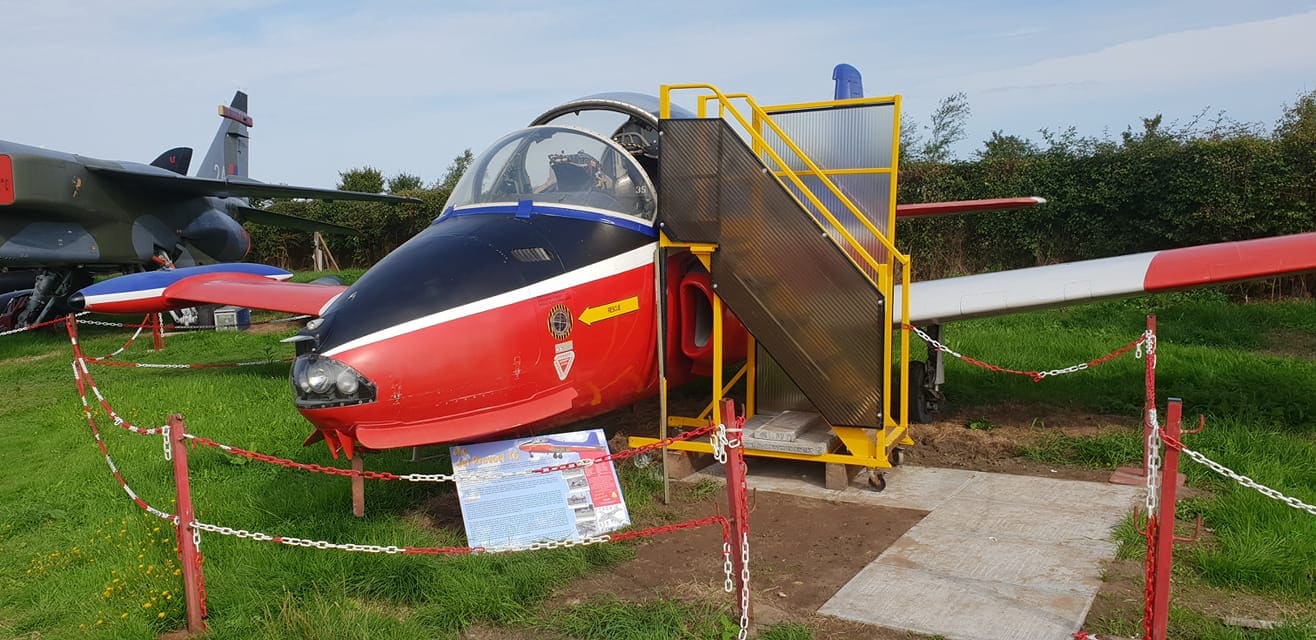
65	216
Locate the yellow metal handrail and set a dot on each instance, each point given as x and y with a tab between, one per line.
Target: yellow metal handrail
727	106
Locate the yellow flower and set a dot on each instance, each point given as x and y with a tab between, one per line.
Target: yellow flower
146	605
160	615
125	615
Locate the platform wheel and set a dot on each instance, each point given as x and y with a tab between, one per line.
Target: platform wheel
898	456
876	480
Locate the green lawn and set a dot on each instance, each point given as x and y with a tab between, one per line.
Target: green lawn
78	558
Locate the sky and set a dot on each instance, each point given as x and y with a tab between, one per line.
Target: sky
405	86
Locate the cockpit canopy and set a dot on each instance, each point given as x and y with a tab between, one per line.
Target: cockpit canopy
557	165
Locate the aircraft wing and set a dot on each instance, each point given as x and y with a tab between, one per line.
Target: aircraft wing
1003	292
286	221
242	284
291	297
230	187
928	209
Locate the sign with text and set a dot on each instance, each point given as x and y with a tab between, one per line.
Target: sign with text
501	510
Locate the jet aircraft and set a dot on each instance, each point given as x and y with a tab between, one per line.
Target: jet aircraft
532	300
65	216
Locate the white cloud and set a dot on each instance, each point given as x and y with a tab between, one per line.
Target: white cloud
1213	56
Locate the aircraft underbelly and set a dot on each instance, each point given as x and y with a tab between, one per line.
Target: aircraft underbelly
40	243
553	358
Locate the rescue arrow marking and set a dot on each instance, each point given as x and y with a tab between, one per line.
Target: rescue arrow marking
611	310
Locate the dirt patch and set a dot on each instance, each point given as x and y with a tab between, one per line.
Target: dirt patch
1294	344
803	552
993	439
38	357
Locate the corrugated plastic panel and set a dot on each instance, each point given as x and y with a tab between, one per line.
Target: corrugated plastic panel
775	267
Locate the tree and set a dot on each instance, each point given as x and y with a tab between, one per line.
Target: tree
404	182
1006	147
947	128
367	179
455	170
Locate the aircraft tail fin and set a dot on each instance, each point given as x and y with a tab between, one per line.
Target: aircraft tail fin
177	160
849	84
228	151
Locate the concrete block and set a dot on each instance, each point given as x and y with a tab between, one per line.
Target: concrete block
839	476
786	426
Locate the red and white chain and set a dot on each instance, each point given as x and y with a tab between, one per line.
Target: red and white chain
39	325
127	344
1153	465
103	323
206	365
729	584
1148	344
744	587
395	550
82	377
719	441
1037	376
1240	478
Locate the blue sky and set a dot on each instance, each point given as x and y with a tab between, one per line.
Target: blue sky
405	86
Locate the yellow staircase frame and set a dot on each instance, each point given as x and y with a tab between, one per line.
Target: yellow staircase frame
871	448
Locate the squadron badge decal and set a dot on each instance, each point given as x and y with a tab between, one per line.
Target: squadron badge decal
559	322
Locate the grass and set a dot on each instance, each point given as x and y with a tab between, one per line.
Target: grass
77	559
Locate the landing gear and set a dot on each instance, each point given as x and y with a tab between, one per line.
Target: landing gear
49	293
922	395
925	380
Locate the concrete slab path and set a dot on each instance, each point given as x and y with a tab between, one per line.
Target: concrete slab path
997	557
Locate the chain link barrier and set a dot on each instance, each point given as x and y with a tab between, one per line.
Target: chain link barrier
208	365
1238	477
175	327
84	380
442	477
744	587
540	545
126	345
39	325
1152	503
1037	376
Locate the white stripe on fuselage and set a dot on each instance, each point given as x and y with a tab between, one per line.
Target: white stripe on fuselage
633	259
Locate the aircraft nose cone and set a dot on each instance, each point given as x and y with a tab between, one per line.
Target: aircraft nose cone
77	301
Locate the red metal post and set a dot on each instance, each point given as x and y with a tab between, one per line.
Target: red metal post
737	501
1165	530
1149	404
188	552
157	332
